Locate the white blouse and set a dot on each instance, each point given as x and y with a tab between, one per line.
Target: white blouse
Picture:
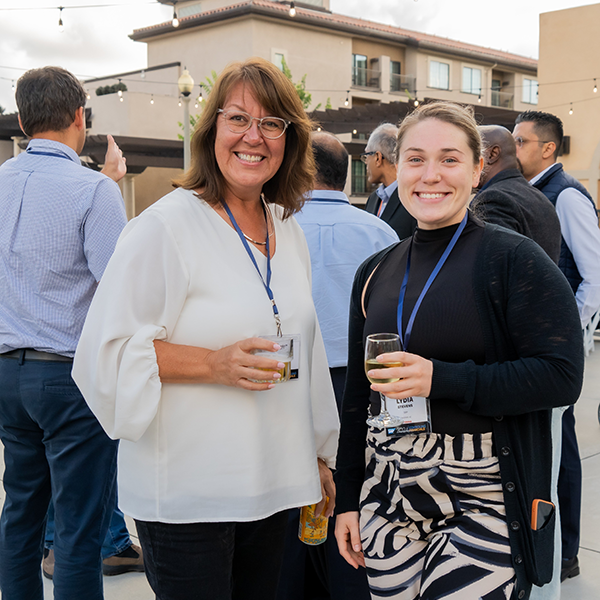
202	452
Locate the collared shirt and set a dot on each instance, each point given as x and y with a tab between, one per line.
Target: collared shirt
60	223
340	237
579	229
385	193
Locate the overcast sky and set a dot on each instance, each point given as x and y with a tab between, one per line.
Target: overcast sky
95	43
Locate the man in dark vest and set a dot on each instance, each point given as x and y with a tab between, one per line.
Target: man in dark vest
380	159
538	136
506	198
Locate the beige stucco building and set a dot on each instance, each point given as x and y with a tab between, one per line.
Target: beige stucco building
569	72
348	62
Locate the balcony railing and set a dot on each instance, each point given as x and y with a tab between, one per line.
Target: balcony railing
366	78
403	83
502	99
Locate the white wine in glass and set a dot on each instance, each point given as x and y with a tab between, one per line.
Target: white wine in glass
382	343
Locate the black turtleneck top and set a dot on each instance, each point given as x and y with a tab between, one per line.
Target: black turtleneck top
447	325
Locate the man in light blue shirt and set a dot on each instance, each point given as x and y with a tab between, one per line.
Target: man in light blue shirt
340	237
60	222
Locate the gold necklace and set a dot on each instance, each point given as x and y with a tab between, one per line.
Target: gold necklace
268	217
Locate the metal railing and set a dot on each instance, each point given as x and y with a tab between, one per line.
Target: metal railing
402	83
502	99
367	78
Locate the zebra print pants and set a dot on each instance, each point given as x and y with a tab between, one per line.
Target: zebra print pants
432	517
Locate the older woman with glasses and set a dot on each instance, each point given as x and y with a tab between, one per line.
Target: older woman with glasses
215	447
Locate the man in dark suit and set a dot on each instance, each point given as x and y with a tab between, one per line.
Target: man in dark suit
506	198
380	159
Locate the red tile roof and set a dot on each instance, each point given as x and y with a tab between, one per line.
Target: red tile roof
339	22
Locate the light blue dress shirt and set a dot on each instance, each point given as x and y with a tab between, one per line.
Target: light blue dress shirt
385	193
340	237
60	223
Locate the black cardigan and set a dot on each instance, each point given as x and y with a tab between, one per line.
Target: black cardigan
534	362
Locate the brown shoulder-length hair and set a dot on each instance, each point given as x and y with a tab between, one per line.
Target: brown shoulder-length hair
456	114
278	96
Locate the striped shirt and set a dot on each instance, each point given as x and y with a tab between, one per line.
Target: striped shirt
58	228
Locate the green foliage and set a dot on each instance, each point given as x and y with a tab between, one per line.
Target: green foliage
210	82
104	90
328	103
305	97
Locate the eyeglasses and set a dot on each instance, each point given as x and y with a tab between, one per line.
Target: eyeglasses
238	121
365	155
519	141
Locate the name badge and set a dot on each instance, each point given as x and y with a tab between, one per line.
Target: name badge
413	412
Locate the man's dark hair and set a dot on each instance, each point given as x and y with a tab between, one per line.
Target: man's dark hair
48	99
546	126
331	160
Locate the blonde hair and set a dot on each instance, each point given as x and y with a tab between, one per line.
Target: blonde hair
448	112
278	96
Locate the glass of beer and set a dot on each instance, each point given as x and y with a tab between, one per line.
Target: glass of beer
382	343
285	355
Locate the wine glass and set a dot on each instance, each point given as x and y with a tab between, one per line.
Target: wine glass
382	343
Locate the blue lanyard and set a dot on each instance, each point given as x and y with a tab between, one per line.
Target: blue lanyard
406	338
266	283
47	154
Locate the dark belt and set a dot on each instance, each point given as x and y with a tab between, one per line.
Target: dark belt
29	354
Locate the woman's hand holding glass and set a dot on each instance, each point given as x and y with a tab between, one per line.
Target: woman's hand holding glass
411	379
232	365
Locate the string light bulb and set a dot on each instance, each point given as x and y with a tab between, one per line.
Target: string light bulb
354	132
175	21
121	98
479	99
571	109
152	99
595	86
416	103
61	27
292	9
179	103
12	87
87	95
120	91
347	100
143	74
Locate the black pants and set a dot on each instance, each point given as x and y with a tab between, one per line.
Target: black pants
569	487
214	561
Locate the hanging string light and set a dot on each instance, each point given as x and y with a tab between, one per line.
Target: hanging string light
120	92
179	103
152	99
479	99
595	86
416	103
571	109
292	9
61	27
347	100
175	21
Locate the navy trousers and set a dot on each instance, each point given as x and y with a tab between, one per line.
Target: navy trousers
53	447
117	538
320	572
569	487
